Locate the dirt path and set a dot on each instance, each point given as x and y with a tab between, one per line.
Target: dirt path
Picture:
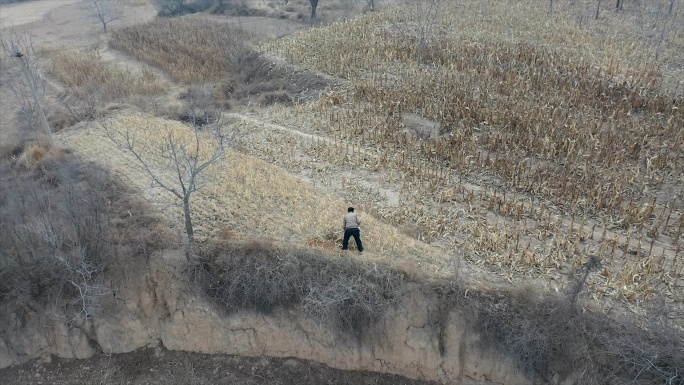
303	135
336	181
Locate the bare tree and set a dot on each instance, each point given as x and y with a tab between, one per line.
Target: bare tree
105	11
179	156
419	21
20	51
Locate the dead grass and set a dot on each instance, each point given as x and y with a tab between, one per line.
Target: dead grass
246	195
188	49
92	84
84	71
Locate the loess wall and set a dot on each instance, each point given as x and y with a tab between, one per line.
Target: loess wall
149	305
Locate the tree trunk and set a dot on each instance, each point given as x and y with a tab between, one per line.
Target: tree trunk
314	4
188	225
421	46
43	121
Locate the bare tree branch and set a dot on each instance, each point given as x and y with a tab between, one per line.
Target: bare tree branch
105	11
181	157
418	22
20	50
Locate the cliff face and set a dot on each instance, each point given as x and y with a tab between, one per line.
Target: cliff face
149	304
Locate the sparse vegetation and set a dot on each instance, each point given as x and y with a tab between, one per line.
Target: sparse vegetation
105	11
93	84
186	154
170	8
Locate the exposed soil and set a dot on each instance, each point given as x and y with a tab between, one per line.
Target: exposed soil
160	366
21	13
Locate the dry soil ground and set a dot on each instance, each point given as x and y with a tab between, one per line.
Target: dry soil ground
156	366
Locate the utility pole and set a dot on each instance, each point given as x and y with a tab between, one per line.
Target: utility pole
17	55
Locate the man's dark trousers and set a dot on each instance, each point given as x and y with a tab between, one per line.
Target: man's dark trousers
352	232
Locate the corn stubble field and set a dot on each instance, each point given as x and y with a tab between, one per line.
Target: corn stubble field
524	142
537	154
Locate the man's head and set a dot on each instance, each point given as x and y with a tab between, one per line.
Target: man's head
350	209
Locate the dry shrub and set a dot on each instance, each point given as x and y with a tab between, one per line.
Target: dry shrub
239	8
189	50
53	232
57	220
34	153
178	8
10	149
350	297
60	117
280	97
93	83
43	162
259	75
547	334
544	334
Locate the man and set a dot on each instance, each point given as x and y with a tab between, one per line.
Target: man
351	223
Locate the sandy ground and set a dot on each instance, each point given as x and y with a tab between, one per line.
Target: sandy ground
17	14
66	22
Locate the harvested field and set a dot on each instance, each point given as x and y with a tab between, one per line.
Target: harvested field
534	155
189	50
